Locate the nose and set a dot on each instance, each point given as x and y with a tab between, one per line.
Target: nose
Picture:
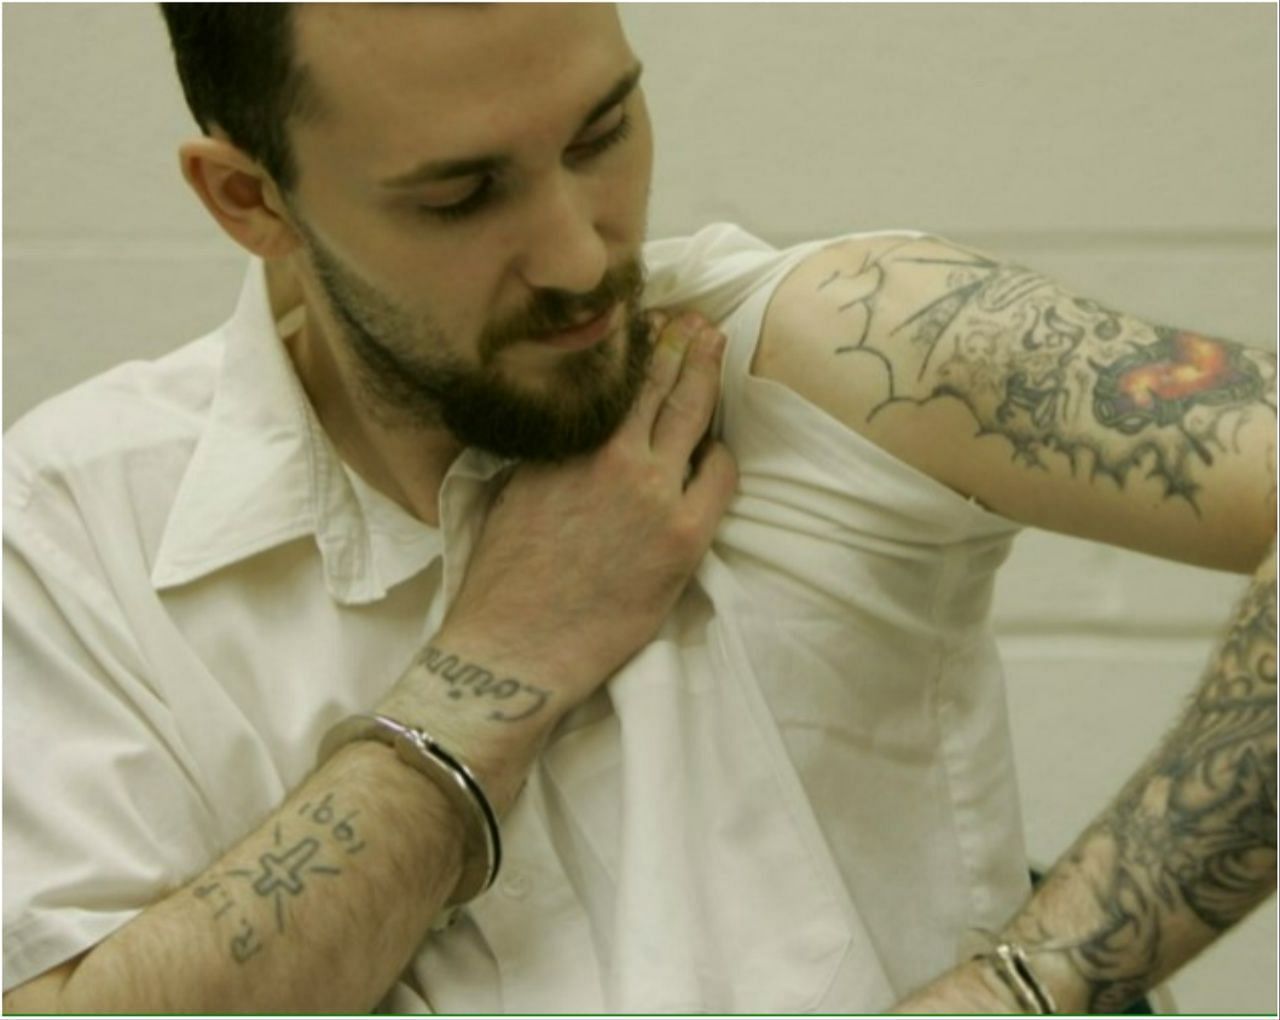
563	248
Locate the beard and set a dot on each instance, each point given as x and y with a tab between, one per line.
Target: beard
408	376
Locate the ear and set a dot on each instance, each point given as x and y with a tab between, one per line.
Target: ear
240	195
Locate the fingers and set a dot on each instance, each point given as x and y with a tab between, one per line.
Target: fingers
670	347
686	413
711	488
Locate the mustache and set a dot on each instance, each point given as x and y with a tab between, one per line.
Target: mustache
554	311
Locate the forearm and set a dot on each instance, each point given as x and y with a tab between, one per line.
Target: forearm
1187	848
316	910
322	906
577	565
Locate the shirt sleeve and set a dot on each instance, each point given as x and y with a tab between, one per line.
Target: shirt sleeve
101	815
731	276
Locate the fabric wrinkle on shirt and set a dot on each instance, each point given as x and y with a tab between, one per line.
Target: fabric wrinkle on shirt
797	797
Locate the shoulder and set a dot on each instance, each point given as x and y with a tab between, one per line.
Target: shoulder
834	329
134	417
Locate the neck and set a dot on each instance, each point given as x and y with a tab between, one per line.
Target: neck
405	462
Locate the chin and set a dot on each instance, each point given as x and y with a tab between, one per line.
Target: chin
574	407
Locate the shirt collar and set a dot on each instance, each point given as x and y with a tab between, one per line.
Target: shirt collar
264	473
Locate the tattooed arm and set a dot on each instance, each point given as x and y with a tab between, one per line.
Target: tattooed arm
1185	851
1061	413
320	908
1046	407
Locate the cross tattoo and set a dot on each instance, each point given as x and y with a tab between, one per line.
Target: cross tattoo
284	871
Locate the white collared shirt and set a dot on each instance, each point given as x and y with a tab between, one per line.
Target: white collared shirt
797	797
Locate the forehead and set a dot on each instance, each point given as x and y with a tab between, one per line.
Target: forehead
435	77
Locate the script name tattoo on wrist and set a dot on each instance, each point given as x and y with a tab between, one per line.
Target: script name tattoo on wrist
471	680
319	835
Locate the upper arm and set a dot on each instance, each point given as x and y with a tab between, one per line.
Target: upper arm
1048	408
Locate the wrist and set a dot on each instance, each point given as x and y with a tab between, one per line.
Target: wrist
1050	958
1009	964
991	991
567	666
481	704
971	987
467	799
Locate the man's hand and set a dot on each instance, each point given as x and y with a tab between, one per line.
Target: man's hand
577	566
580	562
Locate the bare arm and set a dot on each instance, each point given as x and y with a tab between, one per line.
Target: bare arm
1185	851
1047	407
303	916
1064	414
320	908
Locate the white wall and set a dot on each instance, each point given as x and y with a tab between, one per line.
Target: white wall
1128	149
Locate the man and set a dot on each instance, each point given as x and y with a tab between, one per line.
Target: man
794	794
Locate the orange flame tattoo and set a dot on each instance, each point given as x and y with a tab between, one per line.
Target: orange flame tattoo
1161	382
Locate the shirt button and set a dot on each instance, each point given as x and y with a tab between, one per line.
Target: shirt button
516	884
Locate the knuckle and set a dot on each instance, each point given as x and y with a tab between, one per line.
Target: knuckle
731	475
710	333
679	333
617	458
659	318
664	368
699	387
613	460
702	375
648	485
687	532
681	404
691	322
675	337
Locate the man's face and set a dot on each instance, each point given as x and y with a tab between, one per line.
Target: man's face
473	190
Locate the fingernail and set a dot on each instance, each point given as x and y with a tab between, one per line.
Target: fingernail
714	340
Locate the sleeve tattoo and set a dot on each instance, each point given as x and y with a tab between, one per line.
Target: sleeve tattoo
1070	385
1189	846
1049	372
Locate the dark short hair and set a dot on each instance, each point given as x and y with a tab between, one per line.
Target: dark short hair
236	64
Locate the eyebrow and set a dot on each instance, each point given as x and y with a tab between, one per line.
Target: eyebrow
446	169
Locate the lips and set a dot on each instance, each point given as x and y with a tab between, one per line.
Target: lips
586	334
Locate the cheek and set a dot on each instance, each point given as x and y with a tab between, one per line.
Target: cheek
639	173
622	198
447	282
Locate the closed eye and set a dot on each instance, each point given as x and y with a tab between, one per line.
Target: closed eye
475	200
604	141
484	192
